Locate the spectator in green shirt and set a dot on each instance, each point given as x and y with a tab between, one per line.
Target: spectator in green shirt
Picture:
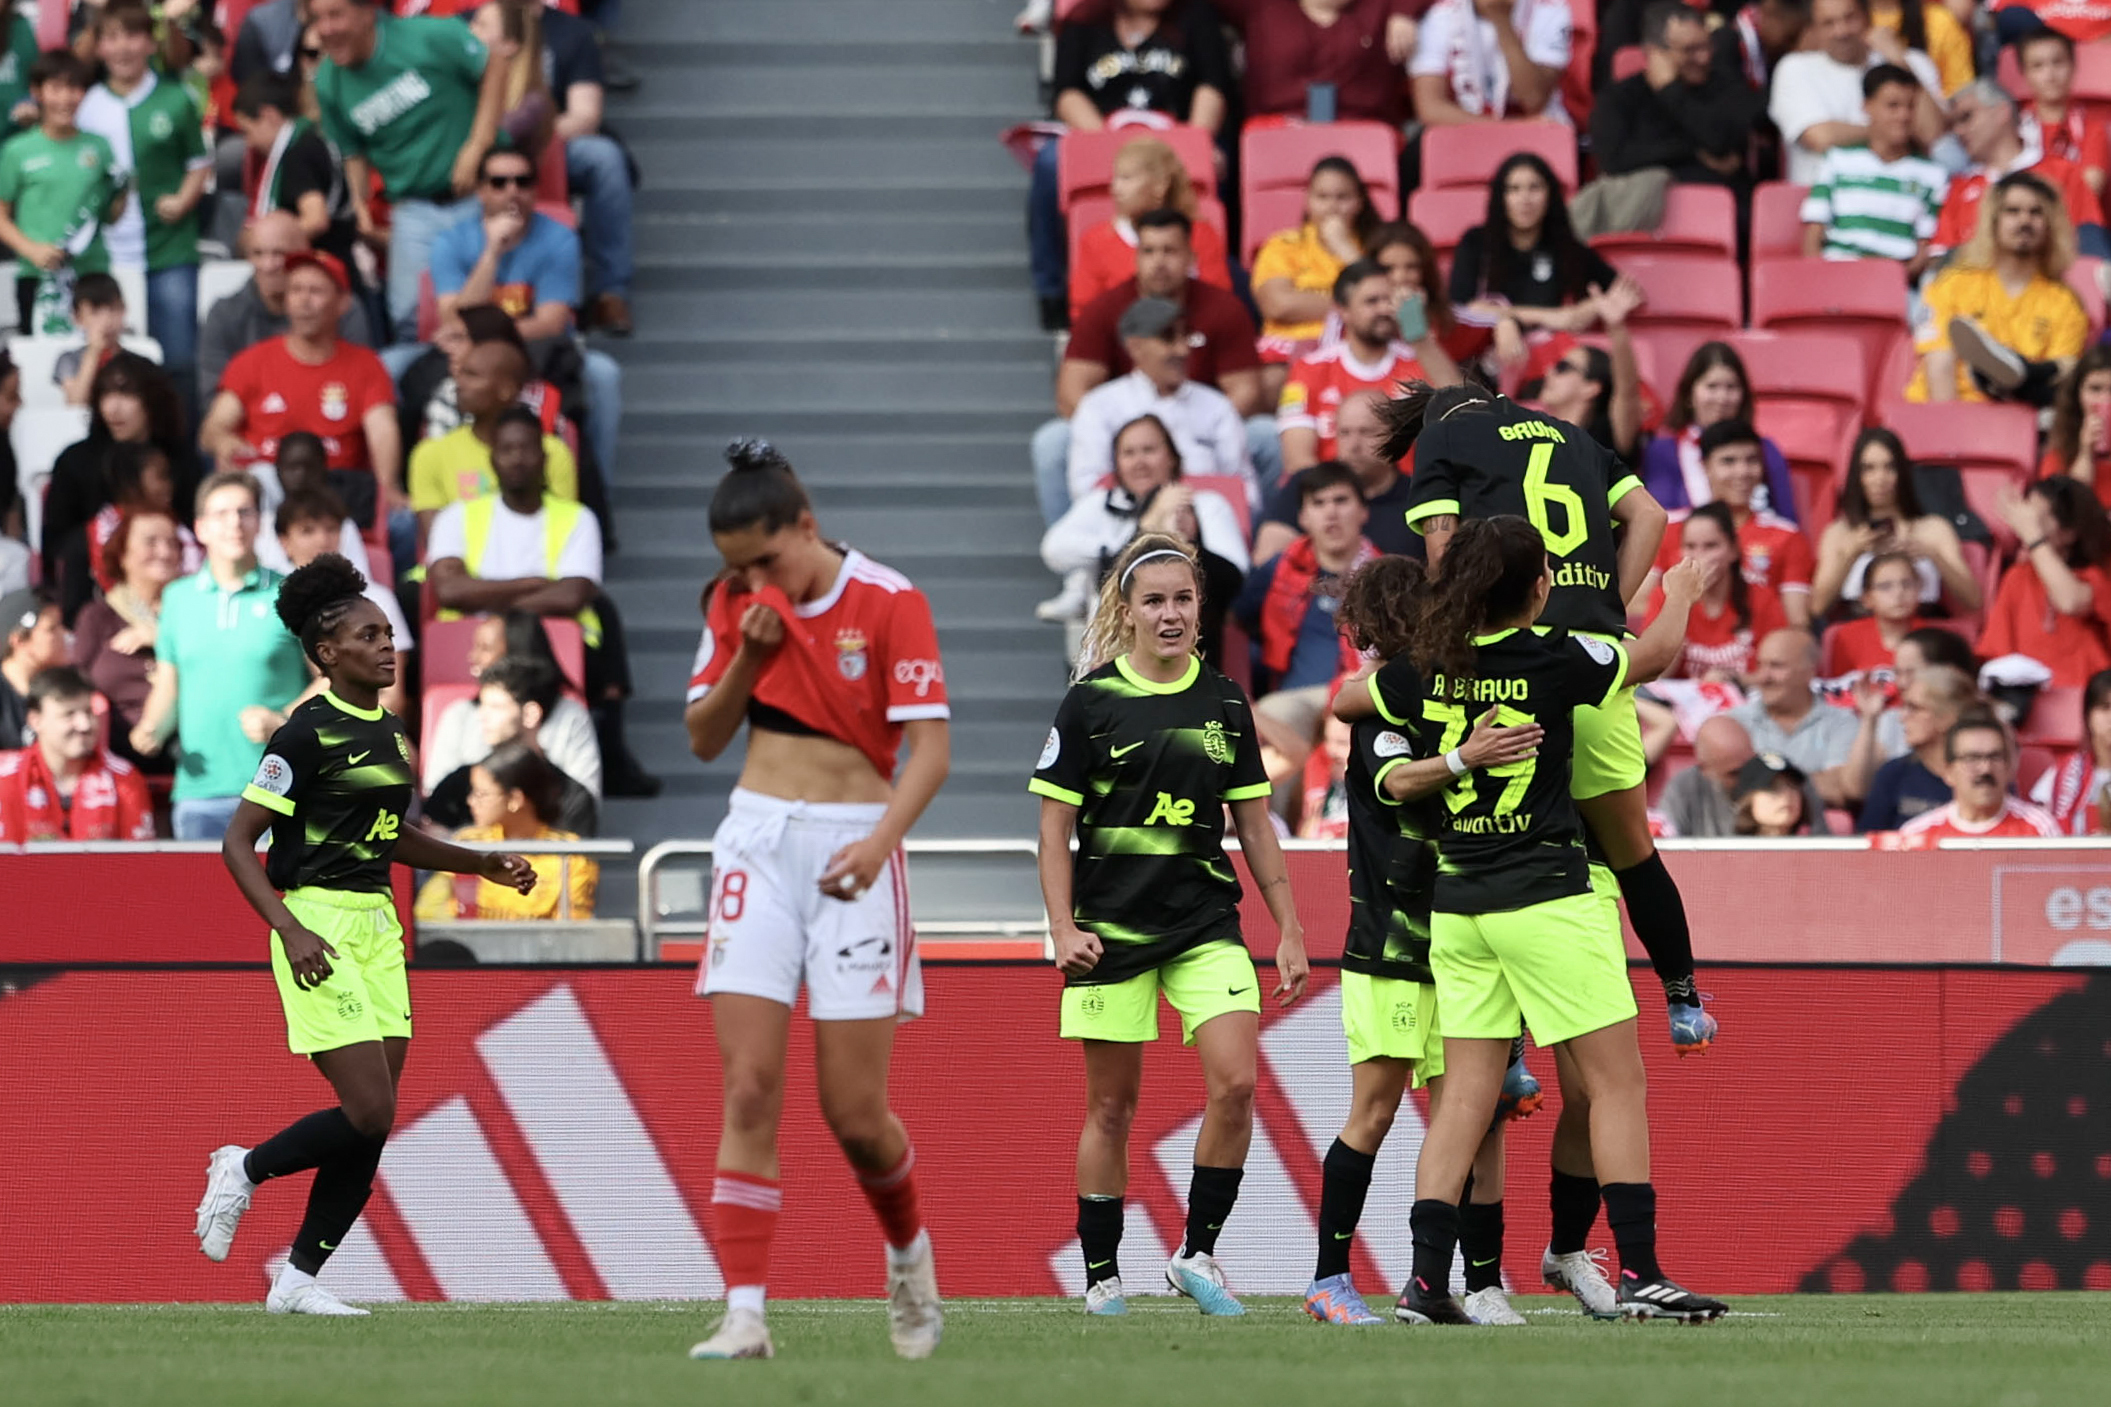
415	100
16	60
155	133
58	185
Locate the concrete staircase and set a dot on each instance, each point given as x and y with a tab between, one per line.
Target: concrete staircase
832	255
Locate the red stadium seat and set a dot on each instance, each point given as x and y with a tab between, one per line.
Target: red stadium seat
1697	220
1268	214
1085	160
1805	368
1692	298
1577	95
553	197
2032	762
1232	489
1628	60
445	648
1777	221
2082	277
2055	719
1468	154
1865	298
1993	447
1816	440
1445	215
1281	157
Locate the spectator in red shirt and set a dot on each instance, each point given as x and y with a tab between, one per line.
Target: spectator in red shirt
1869	644
1732	616
1372	355
1776	554
2052	120
1148	175
1879	511
2083	21
1352	49
2054	604
1983	119
310	379
2080	443
65	786
2078	790
1980	765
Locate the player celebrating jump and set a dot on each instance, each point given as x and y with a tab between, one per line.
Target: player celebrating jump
1519	924
1388	1004
1149	747
332	789
832	659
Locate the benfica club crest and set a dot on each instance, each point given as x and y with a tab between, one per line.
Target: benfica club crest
851	658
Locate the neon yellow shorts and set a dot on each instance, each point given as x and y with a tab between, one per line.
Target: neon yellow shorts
1561	965
1394	1019
1608	754
367	996
1201	983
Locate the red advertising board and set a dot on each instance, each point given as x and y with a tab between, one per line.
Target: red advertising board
1855	1128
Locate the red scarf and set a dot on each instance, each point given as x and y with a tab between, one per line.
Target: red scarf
1749	48
2070	794
1290	596
110	800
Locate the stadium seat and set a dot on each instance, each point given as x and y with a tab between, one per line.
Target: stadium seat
444	647
435	701
1697	220
1232	490
38	436
553	197
218	279
1280	157
2055	719
37	359
1692	298
1628	60
1777	221
1993	447
1816	440
2032	762
1445	215
1865	298
1468	154
2082	277
1804	368
1085	160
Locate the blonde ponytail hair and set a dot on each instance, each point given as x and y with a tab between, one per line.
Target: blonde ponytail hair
1110	633
1159	162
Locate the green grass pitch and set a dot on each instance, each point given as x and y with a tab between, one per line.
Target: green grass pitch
1886	1351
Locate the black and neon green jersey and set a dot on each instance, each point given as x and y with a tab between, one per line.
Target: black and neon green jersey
1392	847
1149	767
1511	835
340	779
1481	463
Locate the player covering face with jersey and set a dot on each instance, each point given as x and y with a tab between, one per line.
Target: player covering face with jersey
1519	924
832	661
1149	748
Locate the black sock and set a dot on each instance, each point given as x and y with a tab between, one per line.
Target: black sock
305	1143
1659	918
1575	1203
1099	1232
1435	1226
335	1199
1631	1212
1481	1238
1345	1182
1209	1201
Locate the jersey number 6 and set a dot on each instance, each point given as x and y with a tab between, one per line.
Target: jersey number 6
1540	496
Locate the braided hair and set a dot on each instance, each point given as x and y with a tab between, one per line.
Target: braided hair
315	600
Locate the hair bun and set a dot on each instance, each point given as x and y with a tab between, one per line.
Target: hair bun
754	454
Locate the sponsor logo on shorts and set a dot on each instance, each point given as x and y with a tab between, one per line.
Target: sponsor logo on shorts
866	955
1216	743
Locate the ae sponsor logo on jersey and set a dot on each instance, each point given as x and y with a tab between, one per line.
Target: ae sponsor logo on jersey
385	827
1169	812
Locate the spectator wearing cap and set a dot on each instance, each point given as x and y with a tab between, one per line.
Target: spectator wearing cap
1786	717
1484	61
226	672
512	255
1906	786
1772	799
1680	112
32	639
456	467
1983	117
1371	355
1359	445
1817	101
1206	427
310	379
515	698
1878	198
301	175
1979	763
596	168
416	101
65	785
256	312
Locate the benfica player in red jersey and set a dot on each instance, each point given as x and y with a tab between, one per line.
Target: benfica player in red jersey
832	661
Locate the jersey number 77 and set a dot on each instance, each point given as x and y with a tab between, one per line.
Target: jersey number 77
1517	776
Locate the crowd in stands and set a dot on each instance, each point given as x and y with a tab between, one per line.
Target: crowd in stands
297	276
1829	275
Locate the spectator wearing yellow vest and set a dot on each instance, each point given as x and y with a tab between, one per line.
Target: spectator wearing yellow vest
520	548
456	467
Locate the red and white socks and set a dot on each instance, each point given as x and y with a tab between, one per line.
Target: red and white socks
744	1211
893	1197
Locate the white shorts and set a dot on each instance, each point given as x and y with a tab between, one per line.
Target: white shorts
771	925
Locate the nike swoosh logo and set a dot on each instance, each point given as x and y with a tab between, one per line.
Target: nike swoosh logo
1238	991
1343	1235
358	757
1490	1261
1096	1264
326	1245
1123	751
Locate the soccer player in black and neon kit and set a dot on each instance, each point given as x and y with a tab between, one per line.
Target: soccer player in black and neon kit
1389	1010
1149	748
1520	925
332	789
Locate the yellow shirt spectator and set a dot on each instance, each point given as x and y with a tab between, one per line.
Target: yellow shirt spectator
1301	256
440	901
2043	323
456	467
1949	46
